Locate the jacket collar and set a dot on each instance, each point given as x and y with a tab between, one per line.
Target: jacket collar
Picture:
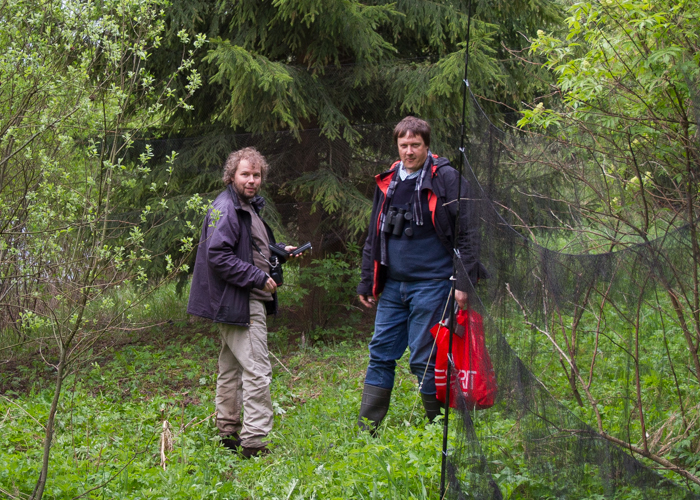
258	202
433	163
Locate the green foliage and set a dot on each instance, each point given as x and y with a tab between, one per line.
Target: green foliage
329	68
602	347
112	419
330	284
109	425
334	195
628	74
74	93
291	64
65	132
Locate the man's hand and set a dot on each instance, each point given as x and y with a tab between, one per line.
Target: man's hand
462	299
366	300
289	249
270	286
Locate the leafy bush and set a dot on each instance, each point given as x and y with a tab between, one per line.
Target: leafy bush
322	295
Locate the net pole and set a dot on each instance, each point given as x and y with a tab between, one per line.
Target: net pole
455	251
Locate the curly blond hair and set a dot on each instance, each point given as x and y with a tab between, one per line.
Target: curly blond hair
234	159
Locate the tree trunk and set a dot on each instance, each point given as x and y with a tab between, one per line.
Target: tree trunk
308	154
48	438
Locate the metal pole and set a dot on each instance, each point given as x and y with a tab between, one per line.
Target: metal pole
451	326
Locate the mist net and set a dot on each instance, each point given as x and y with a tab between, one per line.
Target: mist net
573	306
574	303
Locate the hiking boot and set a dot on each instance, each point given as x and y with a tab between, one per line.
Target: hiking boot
374	406
255	452
432	406
232	441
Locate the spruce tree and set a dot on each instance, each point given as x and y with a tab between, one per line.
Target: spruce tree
321	71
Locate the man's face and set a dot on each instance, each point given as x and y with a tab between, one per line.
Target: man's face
247	180
412	151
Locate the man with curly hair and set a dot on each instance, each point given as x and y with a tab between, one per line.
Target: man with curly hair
232	286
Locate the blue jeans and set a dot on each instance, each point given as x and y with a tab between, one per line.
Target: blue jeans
406	312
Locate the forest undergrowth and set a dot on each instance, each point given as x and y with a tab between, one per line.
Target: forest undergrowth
111	421
160	381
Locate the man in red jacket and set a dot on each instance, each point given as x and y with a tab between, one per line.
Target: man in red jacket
407	265
231	285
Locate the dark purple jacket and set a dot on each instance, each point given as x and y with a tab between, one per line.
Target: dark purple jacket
442	184
224	271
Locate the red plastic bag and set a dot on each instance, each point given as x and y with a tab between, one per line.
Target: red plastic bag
474	369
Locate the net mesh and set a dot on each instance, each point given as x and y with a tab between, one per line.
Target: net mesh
565	310
558	315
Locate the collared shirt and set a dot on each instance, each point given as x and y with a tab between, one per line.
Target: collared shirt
403	173
260	238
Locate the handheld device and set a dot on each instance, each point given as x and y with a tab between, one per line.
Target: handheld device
280	253
306	246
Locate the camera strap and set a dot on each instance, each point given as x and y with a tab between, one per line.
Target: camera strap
273	257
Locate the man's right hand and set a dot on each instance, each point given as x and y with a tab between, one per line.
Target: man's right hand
270	285
366	300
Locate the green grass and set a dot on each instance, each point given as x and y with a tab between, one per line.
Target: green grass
107	442
111	416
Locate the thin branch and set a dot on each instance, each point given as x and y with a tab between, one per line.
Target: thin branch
116	474
25	411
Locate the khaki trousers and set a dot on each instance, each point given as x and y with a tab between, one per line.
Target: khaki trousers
244	380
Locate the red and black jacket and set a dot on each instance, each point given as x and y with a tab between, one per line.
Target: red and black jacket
442	186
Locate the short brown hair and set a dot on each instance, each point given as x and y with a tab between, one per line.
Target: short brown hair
253	157
412	126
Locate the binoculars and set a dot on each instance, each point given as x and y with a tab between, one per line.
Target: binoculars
395	220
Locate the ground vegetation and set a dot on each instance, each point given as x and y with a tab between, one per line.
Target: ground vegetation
74	95
111	440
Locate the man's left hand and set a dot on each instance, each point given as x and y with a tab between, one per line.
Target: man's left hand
270	286
462	299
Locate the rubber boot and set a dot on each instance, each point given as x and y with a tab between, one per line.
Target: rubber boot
432	406
375	404
232	441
